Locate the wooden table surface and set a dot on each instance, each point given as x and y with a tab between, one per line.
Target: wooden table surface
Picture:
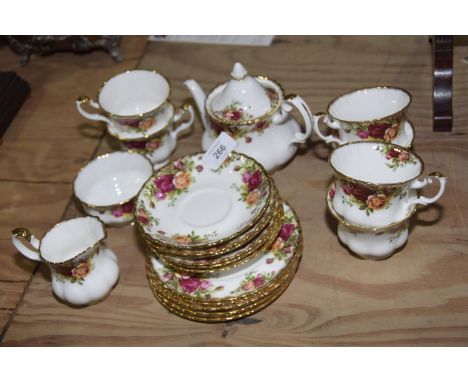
417	297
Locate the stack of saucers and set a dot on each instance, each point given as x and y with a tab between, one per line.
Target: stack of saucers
222	244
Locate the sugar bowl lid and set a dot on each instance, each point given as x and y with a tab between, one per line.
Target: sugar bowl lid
241	99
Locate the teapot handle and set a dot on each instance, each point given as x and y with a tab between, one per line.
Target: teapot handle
24	233
184	125
330	123
303	108
93	116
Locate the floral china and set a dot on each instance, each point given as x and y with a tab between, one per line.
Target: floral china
248	278
187	204
106	186
129	101
227	311
159	145
369	114
255	112
83	270
229	260
226	247
376	182
377	243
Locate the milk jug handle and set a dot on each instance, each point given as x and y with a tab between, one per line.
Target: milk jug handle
22	233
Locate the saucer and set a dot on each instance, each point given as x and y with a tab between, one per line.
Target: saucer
406	136
272	212
163	119
259	273
175	206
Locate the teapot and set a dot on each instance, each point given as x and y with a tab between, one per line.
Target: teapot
255	112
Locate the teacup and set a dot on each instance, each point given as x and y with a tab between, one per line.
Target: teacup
376	182
83	271
369	114
158	146
107	185
129	101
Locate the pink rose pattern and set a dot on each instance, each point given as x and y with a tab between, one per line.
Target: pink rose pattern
253	281
123	210
286	241
191	285
254	186
76	272
366	199
385	130
176	178
235	113
397	157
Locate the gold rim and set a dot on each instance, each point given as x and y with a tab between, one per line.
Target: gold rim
210	244
267	235
369	88
140	115
229	309
224	248
232	262
79	254
224	301
110	206
276	87
374	185
360	228
228	314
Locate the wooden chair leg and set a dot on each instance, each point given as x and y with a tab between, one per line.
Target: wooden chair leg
442	49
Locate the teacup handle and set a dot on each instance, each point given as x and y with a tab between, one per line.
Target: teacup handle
24	233
330	123
303	108
93	116
417	184
184	109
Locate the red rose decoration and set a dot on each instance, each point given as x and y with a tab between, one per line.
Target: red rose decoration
377	130
360	192
253	180
127	208
258	281
286	231
190	284
136	145
165	183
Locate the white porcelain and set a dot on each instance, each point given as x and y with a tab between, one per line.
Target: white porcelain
377	243
369	114
262	271
372	245
107	186
129	101
157	146
255	112
83	271
247	92
376	182
187	204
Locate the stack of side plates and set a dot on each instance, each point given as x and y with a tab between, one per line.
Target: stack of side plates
222	244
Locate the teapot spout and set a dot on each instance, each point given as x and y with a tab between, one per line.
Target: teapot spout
199	96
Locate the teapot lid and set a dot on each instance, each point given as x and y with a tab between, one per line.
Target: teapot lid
243	98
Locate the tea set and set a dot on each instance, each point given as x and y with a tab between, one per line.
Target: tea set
221	242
